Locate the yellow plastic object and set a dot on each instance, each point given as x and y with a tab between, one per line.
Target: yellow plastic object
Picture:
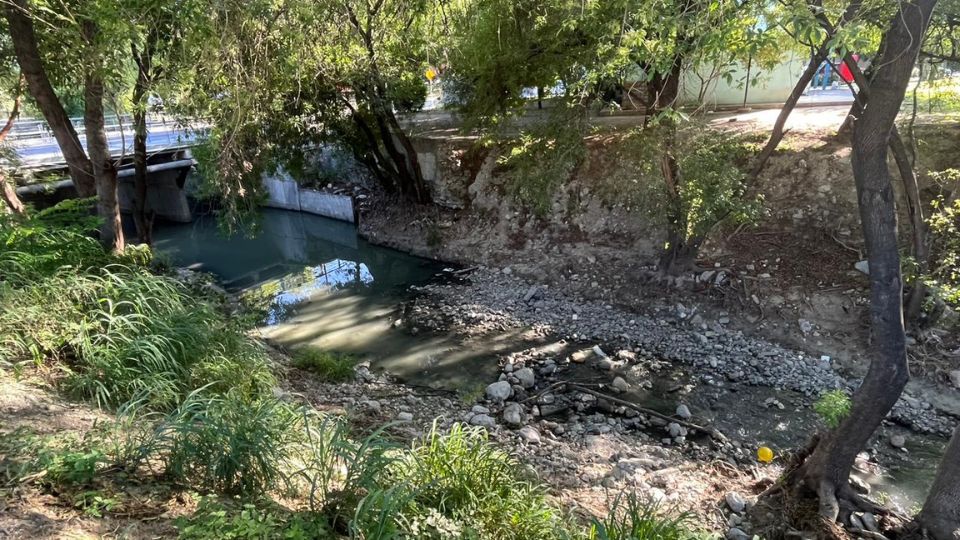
764	454
430	74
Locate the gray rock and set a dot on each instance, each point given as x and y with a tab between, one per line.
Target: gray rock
531	293
371	405
530	434
870	522
499	391
676	430
898	441
683	412
735	501
526	377
955	377
855	522
620	384
513	414
480	409
405	417
859	484
863	267
484	420
737	534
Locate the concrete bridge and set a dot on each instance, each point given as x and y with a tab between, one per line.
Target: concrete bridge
169	161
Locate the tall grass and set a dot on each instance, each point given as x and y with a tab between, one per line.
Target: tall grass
633	518
118	329
228	444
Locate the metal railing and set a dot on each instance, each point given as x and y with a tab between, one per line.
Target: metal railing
31	131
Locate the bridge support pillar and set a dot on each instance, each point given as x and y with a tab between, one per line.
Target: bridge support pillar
165	195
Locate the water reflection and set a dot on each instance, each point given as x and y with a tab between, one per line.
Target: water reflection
293	290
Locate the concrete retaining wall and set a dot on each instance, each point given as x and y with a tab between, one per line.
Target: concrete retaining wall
286	194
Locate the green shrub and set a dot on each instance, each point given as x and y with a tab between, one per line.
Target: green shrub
329	366
214	520
48	241
833	407
64	461
943	278
543	158
631	518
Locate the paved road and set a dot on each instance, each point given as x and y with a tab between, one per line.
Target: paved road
45	153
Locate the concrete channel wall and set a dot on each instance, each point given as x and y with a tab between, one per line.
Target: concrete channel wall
286	194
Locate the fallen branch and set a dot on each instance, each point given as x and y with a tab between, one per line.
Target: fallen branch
714	433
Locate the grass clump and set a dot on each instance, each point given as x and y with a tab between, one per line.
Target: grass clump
632	518
833	407
228	444
329	366
459	485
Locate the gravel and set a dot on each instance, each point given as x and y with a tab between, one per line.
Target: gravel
494	301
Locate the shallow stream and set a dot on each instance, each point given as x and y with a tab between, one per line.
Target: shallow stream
335	291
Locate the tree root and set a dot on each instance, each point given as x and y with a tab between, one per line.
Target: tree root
829	505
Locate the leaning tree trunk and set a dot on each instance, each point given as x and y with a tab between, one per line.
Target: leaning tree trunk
776	135
31	66
7	188
940	516
827	470
144	61
108	207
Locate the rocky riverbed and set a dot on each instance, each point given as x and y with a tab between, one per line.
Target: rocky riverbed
671	404
494	300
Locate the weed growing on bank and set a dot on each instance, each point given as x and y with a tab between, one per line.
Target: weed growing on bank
329	366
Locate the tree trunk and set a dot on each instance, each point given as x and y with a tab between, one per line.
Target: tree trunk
31	66
918	226
7	188
663	90
828	468
680	252
144	61
776	135
941	511
104	171
911	189
9	194
416	185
